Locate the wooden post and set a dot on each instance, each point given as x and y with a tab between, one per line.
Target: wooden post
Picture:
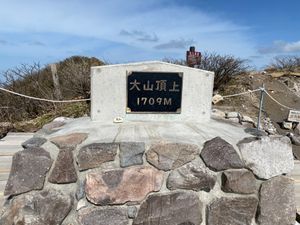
57	92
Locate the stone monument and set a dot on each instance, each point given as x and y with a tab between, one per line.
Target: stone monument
151	91
150	155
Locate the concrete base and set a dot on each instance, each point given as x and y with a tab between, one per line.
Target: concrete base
185	132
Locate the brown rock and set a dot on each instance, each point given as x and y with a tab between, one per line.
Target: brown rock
182	208
28	171
239	181
167	156
69	141
192	176
103	216
48	207
218	155
232	211
277	202
64	170
119	186
93	155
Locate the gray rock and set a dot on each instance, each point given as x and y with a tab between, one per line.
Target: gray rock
268	156
93	155
167	156
48	207
52	127
80	193
169	209
34	142
232	115
192	176
103	216
239	181
131	153
28	171
218	155
64	171
232	211
131	211
277	202
294	139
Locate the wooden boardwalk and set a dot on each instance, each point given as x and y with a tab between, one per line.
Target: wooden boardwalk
12	143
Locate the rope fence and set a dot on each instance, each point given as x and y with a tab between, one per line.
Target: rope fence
87	99
43	99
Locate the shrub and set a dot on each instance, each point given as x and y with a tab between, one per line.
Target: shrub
36	80
224	66
285	63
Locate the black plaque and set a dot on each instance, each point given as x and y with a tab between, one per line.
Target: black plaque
154	92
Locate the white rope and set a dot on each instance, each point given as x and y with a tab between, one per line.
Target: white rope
43	99
287	107
243	93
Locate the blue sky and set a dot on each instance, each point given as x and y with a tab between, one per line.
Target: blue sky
119	31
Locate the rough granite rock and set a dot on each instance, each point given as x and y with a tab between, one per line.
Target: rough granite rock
219	155
28	171
93	155
132	211
131	153
232	211
103	216
192	176
172	208
167	156
52	127
268	156
277	202
34	142
64	171
69	140
119	186
48	207
238	181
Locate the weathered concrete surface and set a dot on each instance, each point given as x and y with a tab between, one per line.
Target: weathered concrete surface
196	92
119	186
268	156
172	208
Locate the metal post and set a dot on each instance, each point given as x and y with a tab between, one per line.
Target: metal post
261	101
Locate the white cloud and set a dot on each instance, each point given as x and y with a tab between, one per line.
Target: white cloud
281	47
148	24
